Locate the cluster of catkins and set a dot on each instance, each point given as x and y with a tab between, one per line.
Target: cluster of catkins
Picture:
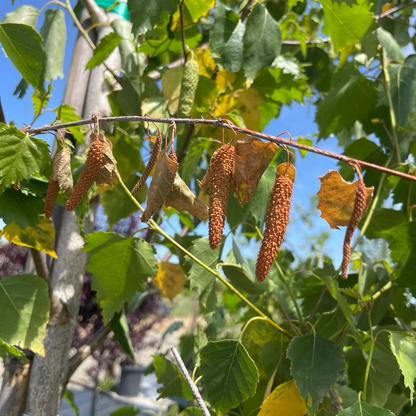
62	178
222	174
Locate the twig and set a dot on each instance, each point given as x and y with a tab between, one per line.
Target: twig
244	13
40	264
87	349
288	320
395	9
191	384
182	31
221	124
318	302
337	404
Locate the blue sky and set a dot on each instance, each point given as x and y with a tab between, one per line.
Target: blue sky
297	119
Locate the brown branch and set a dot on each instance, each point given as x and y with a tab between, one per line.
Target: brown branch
288	320
395	9
318	302
182	31
244	13
87	349
337	404
219	123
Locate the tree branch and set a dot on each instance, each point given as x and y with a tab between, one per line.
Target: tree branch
219	123
87	349
40	264
395	9
182	31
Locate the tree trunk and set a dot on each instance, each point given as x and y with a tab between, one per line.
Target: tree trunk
48	374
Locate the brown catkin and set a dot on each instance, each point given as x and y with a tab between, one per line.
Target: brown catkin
51	195
150	164
91	169
278	213
357	213
172	155
222	167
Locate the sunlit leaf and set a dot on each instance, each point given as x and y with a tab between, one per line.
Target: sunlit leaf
103	50
25	14
120	267
287	399
41	238
6	348
25	311
171	87
336	199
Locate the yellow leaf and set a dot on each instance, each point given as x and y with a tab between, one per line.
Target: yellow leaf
385	7
285	400
336	199
171	87
205	62
224	79
225	104
248	103
170	279
41	239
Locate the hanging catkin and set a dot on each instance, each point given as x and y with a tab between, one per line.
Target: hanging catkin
150	164
91	169
278	213
190	79
357	213
222	168
51	195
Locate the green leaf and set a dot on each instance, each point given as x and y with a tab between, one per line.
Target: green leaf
66	114
262	41
384	222
351	99
403	239
383	374
24	300
103	50
192	411
316	363
6	348
26	15
23	45
120	327
201	278
53	33
69	397
391	49
395	403
403	346
145	14
21	156
21	88
229	373
39	100
227	38
20	208
170	375
190	164
126	411
260	199
346	24
363	409
120	267
240	275
129	56
117	204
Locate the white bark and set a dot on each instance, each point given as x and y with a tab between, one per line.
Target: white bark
48	374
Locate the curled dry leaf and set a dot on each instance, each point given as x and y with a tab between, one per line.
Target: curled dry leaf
62	170
183	199
170	279
252	156
336	199
161	185
108	170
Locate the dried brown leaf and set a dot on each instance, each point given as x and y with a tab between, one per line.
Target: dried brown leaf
183	199
108	172
252	156
161	185
62	170
336	199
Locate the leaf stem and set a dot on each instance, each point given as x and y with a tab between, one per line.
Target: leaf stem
391	110
370	356
216	273
256	318
286	283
